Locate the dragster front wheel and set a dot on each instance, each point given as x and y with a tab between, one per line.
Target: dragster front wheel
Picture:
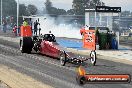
93	57
62	58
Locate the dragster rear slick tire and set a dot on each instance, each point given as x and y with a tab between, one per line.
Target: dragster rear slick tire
26	44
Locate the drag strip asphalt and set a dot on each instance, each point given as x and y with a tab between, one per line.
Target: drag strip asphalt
48	70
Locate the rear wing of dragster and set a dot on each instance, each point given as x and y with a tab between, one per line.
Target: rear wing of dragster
83	77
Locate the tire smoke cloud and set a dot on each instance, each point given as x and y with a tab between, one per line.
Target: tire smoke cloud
58	27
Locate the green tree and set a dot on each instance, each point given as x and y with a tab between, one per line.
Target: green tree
53	10
23	10
80	5
10	10
32	9
61	12
70	12
9	7
26	11
48	6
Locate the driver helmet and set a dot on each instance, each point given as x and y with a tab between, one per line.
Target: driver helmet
49	31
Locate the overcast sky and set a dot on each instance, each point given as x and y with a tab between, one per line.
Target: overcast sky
67	4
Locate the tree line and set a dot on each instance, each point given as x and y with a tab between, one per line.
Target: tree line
78	6
78	9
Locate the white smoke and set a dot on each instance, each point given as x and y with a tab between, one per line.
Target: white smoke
59	30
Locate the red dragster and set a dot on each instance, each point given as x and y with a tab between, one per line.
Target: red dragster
47	45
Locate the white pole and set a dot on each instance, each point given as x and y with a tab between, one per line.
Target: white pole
107	19
17	15
1	15
101	15
95	20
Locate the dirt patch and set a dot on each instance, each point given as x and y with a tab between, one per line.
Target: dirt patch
18	80
3	85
